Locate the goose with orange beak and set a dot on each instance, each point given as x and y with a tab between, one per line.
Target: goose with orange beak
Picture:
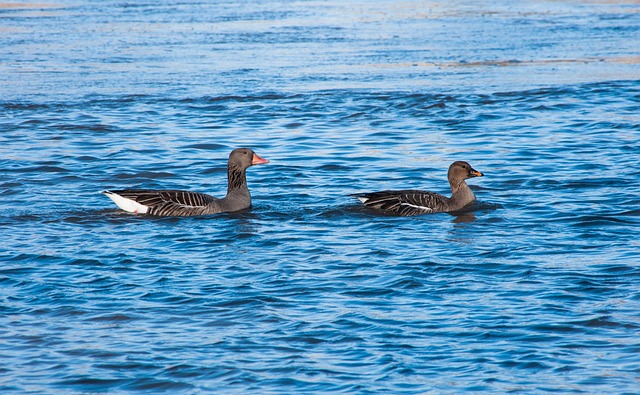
186	203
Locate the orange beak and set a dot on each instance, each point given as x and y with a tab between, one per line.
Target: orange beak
476	173
258	160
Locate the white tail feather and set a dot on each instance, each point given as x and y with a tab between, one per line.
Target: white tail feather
127	204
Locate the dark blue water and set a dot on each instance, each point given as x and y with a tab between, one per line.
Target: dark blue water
534	291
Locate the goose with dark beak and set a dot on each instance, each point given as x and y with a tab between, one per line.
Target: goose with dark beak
414	202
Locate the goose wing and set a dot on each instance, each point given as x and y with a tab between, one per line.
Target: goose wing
404	203
168	202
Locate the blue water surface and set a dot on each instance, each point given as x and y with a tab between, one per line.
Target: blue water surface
533	291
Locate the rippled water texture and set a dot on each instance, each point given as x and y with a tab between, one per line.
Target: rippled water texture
533	291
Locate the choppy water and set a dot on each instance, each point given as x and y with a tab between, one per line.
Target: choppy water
534	291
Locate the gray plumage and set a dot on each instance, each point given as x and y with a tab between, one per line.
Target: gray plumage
415	202
185	203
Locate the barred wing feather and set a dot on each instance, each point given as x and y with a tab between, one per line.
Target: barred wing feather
170	202
405	203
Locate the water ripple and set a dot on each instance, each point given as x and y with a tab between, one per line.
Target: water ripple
534	289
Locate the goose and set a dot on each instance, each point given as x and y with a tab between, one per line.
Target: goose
185	203
415	202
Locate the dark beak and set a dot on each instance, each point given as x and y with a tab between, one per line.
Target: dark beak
475	173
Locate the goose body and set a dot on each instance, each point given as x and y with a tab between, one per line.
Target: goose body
415	202
186	203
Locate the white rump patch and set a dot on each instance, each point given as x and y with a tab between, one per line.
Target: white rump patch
363	199
127	204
